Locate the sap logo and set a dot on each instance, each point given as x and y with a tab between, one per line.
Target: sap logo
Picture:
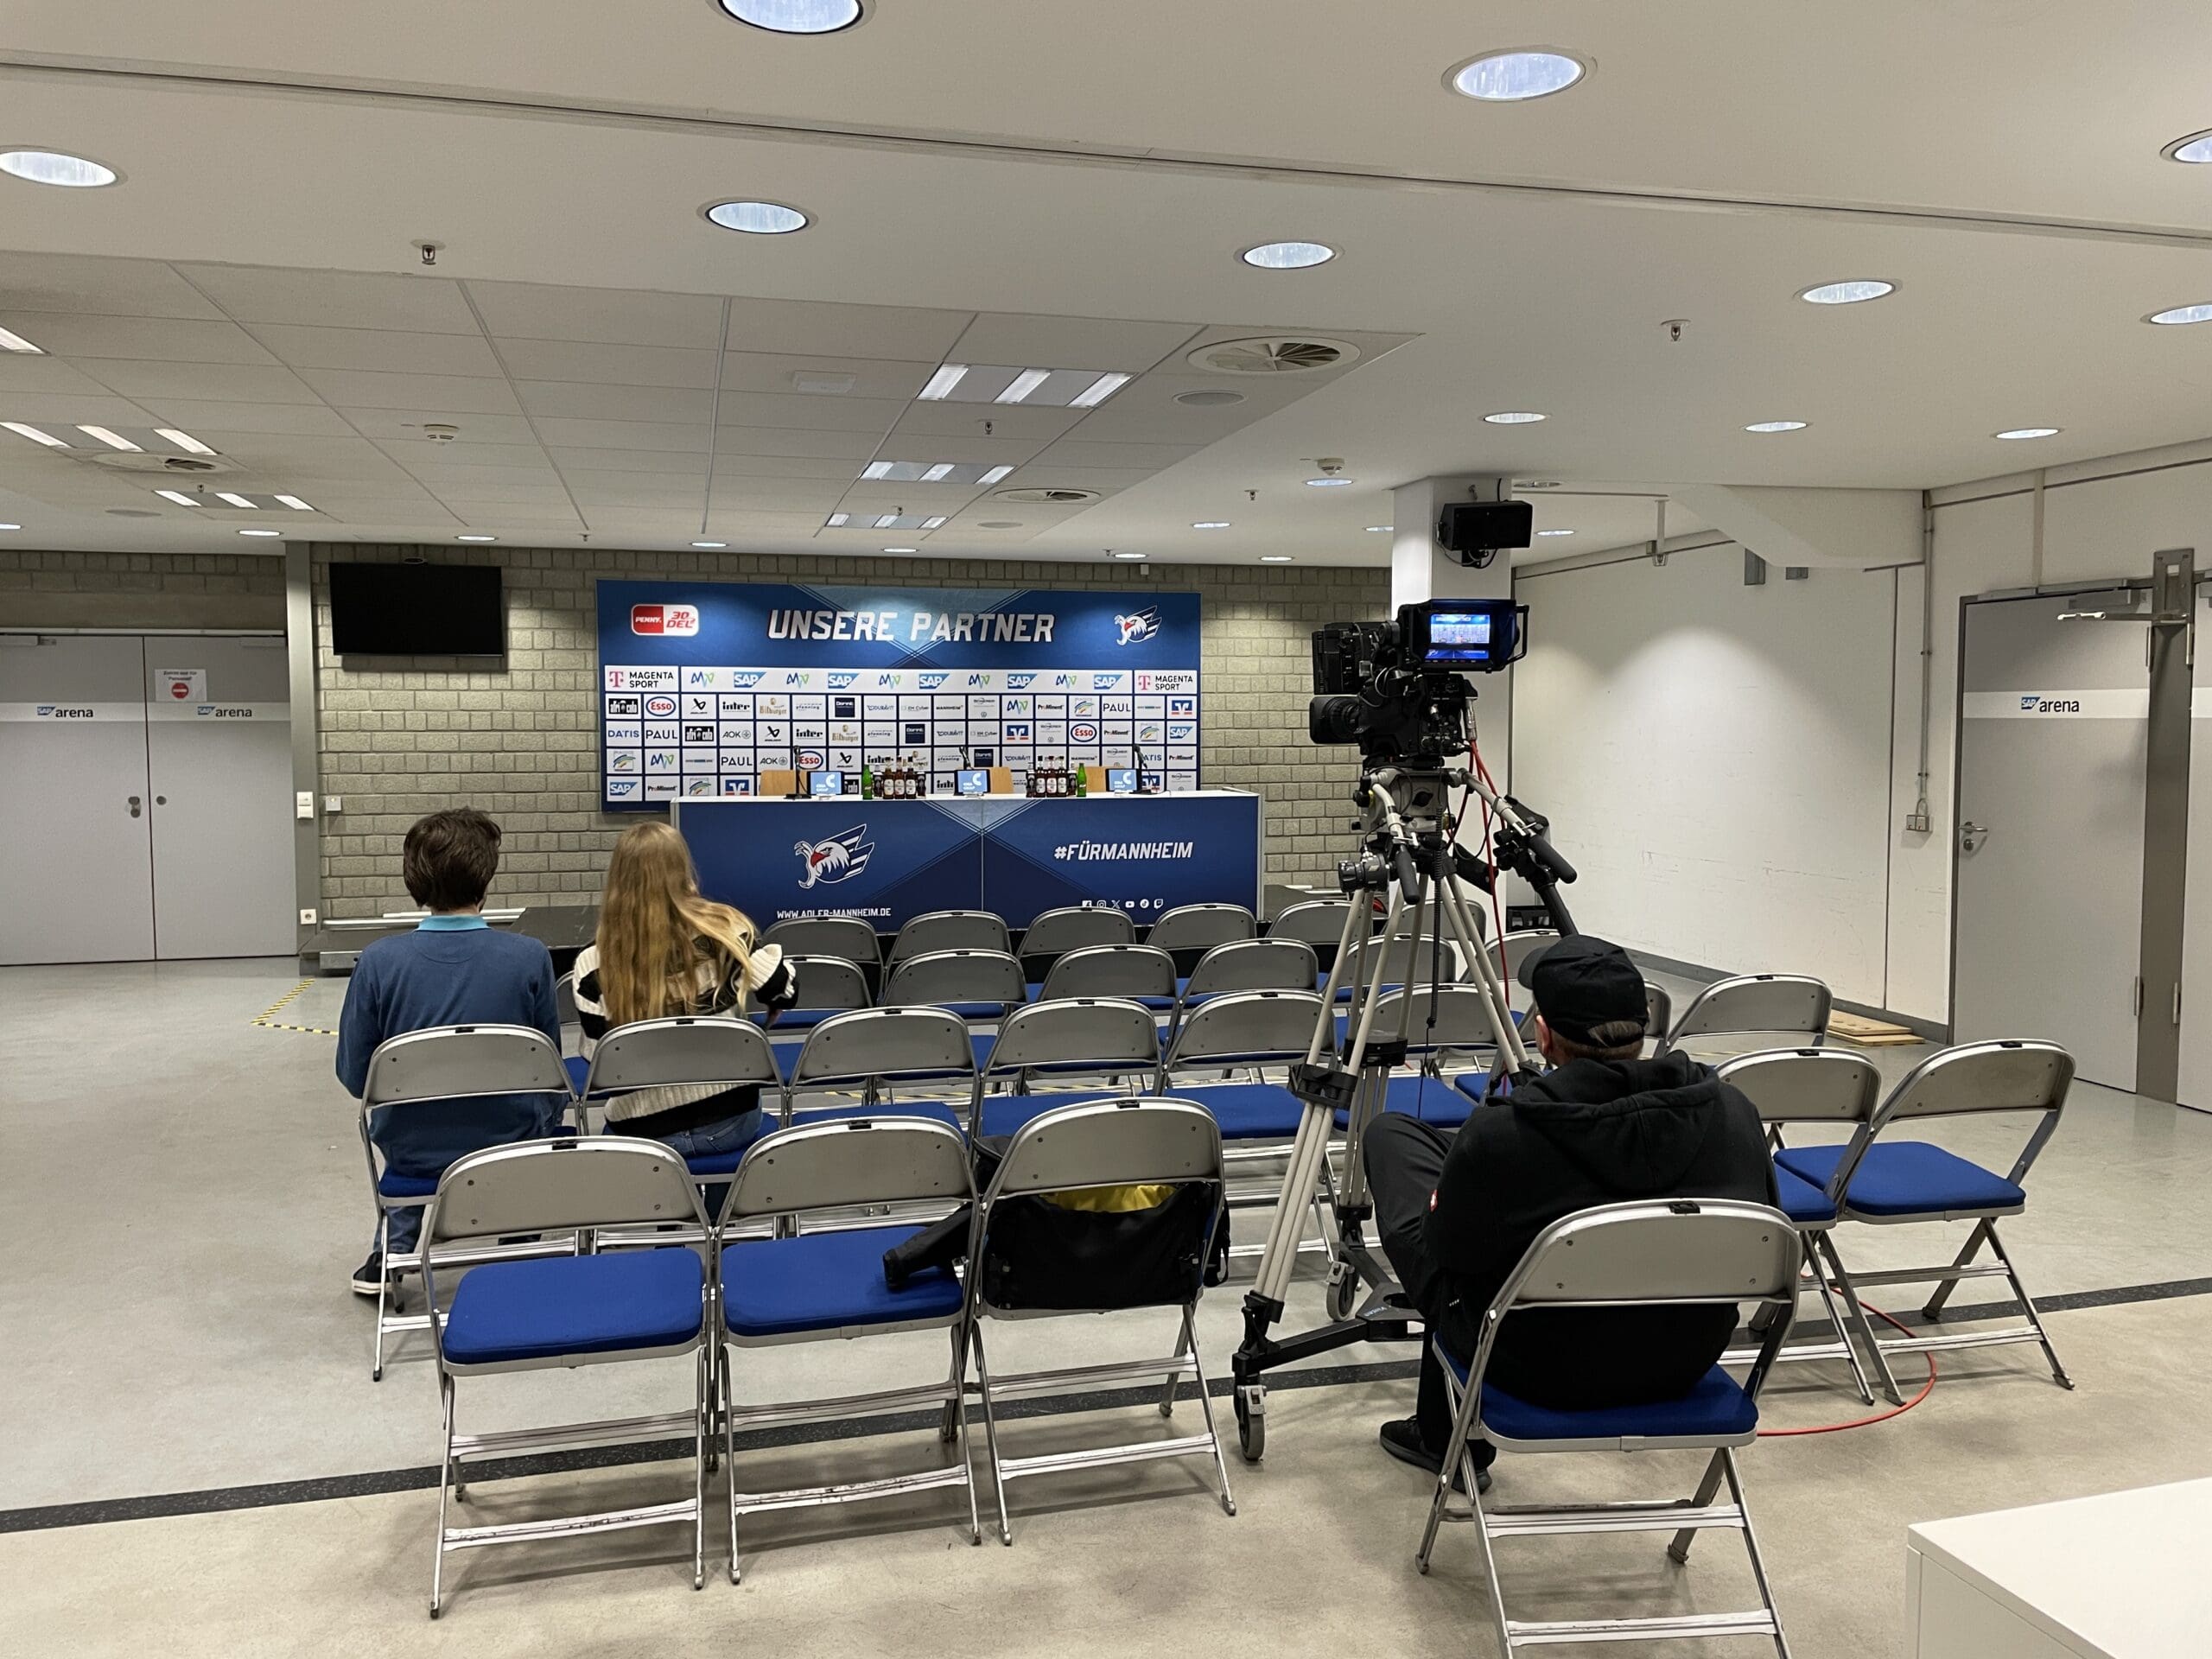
679	620
839	681
1104	682
1182	705
621	789
660	707
1083	731
2031	703
1182	733
1019	682
931	681
745	677
810	760
56	711
218	711
840	858
622	760
619	707
978	681
1136	629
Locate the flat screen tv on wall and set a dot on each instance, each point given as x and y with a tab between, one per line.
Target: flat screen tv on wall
417	610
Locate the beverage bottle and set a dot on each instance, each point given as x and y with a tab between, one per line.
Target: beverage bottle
867	780
1081	782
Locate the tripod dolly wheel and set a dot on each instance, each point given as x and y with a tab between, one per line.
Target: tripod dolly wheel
1343	1289
1252	1422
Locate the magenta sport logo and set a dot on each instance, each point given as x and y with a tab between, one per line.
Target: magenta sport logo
839	858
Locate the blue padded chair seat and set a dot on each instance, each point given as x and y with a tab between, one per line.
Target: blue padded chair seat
799	1018
1004	1114
1439	1103
1157	1004
392	1185
578	1069
1473	1084
787	1054
507	1310
1907	1178
1717	1409
826	1281
937	1111
976	1010
1246	1111
1803	1203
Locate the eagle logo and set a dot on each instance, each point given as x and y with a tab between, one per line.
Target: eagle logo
1139	628
839	858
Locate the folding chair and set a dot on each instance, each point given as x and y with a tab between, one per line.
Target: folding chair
1890	1182
845	936
872	1047
415	1071
949	929
1249	965
1242	1029
1139	971
1056	932
1677	1253
1441	1021
811	1286
1518	946
1188	931
1658	1015
1792	1006
973	984
556	1315
1111	1035
712	1051
1319	922
572	1029
825	985
1410	959
1830	1086
1084	1148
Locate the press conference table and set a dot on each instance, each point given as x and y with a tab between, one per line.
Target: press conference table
888	862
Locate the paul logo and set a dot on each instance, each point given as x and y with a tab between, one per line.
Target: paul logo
1135	629
682	620
839	681
660	707
931	681
1083	731
1019	682
840	858
621	789
1182	706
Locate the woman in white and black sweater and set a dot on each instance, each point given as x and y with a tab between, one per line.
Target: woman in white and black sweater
661	950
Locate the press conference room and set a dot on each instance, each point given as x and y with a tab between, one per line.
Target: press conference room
965	828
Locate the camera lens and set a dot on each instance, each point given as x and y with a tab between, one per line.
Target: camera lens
1333	720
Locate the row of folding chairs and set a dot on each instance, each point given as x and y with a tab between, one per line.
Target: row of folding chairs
793	1282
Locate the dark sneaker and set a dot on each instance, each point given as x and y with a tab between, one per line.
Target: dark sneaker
369	1277
1403	1441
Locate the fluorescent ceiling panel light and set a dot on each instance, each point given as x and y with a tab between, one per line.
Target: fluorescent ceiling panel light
1777	426
11	341
710	547
942	383
258	533
876	469
10	526
247	502
937	522
471	538
938	473
1211	523
51	167
901	549
1326	483
1288	255
1275	558
2196	149
1129	555
884	521
757	218
1022	384
2182	314
838	521
1554	532
1851	293
2029	432
1380	529
796	16
1513	417
997	474
34	435
179	497
1516	77
183	441
113	440
1099	391
296	504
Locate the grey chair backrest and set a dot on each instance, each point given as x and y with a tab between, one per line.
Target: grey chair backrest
1108	1034
1462	1019
682	1049
828	982
849	1161
564	1001
1806	1085
554	1186
1247	1025
457	1062
2003	1074
1110	971
951	930
940	977
1519	946
1255	965
1056	932
1755	1002
844	936
1409	959
1319	922
1658	1013
1110	1143
1200	927
885	1043
1680	1251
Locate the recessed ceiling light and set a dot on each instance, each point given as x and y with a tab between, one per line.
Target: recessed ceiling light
1849	293
1288	255
1209	397
710	547
51	167
1022	384
11	341
1513	417
1211	523
995	474
1331	482
1517	76
247	502
796	16
942	383
183	441
258	533
34	435
885	520
1275	558
1554	532
2182	314
901	549
876	469
294	504
757	218
838	521
179	497
10	526
2028	432
113	440
2196	149
457	538
937	522
1380	529
1129	555
1099	391
1778	426
938	473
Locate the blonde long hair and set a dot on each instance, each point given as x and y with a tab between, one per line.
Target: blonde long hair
650	925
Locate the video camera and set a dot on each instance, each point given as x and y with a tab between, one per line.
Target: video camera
1396	688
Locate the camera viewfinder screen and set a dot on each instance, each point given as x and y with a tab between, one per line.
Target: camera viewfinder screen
1459	637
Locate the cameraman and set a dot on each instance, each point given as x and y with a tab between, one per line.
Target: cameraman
1603	1126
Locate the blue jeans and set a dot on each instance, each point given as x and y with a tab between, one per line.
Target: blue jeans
422	1139
730	1134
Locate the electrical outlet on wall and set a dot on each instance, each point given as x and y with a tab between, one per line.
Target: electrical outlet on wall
306	917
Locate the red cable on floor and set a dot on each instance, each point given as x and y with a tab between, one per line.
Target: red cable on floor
1927	1388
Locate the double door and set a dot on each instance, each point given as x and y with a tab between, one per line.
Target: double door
146	812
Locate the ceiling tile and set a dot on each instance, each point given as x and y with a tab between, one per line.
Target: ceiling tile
856	446
819	328
169	340
608	482
1035	426
1147	457
631	460
425	304
606	365
245	383
1093	343
426	460
817	467
800	411
22	374
567	400
113	288
873	377
403	427
445	394
787	498
643	490
395	350
624	434
209	422
62	410
608	316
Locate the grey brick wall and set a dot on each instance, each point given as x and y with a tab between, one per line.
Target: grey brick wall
410	736
140	590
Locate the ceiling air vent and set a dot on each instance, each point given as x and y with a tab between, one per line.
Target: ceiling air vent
1273	355
186	466
1062	498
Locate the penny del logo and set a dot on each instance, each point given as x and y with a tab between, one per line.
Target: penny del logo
681	620
834	859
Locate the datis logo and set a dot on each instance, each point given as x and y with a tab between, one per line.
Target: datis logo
1136	629
678	619
660	708
839	858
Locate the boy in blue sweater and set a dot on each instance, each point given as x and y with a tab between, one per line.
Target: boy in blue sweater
454	970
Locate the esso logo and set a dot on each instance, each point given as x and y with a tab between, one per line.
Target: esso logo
660	707
1083	731
810	760
682	620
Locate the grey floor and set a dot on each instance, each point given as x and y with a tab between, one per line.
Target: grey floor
185	1197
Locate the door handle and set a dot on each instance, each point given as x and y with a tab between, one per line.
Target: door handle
1971	835
134	806
160	800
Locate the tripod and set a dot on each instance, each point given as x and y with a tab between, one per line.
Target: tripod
1408	850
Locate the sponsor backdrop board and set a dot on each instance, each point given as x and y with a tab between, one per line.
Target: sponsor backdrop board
704	685
1145	855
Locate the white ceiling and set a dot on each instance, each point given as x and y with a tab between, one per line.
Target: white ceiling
1010	181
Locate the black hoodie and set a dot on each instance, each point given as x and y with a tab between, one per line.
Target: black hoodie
1593	1132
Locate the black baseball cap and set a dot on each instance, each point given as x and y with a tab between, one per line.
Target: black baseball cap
1582	982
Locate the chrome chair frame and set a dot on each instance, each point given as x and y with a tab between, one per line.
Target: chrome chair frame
875	1047
682	1050
1112	1036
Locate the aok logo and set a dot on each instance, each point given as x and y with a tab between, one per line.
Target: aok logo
839	681
839	858
2032	704
1083	731
57	711
931	681
1019	682
678	619
660	707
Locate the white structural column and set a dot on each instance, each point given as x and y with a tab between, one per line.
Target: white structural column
1420	570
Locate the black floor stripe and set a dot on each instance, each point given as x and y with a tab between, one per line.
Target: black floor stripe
270	1494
